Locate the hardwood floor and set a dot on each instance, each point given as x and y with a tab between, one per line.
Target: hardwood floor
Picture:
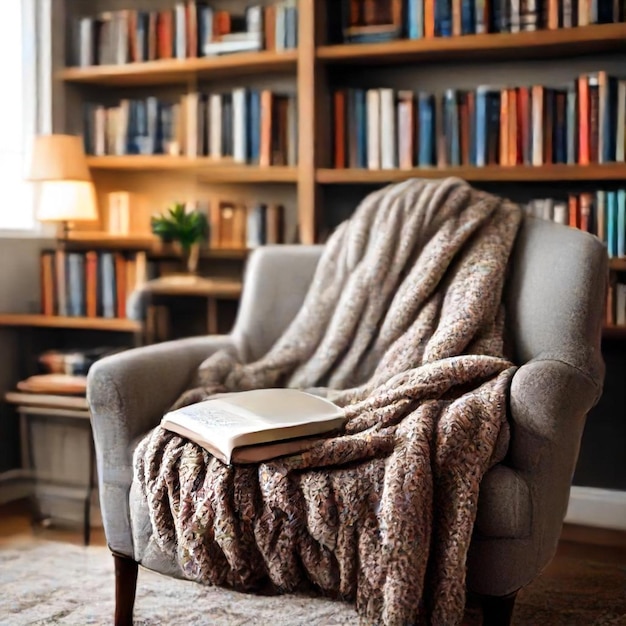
16	525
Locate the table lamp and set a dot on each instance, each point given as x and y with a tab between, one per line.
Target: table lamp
66	191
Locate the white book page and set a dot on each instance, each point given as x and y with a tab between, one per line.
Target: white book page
278	407
222	420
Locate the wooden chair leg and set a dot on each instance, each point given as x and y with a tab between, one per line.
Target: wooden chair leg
498	610
125	588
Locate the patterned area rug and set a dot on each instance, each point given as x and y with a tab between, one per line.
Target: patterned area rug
46	582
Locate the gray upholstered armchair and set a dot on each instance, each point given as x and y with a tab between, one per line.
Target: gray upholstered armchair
555	298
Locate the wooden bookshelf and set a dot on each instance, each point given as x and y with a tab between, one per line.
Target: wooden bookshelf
78	323
498	46
308	68
618	264
182	71
308	65
491	173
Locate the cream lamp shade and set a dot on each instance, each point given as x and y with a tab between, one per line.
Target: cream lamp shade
66	201
59	168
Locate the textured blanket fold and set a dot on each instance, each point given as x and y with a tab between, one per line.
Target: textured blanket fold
403	325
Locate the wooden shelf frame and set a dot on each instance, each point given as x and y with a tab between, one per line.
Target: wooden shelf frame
309	64
491	173
205	168
75	323
208	170
181	71
618	264
495	46
151	244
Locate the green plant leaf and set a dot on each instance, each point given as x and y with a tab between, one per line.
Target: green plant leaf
177	225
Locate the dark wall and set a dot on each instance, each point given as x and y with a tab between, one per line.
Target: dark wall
19	293
602	460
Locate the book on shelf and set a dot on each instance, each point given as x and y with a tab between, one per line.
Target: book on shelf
581	122
91	283
188	30
601	213
236	225
257	425
371	21
247	126
61	384
126	214
72	361
616	302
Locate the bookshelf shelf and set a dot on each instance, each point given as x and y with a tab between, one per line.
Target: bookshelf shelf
110	240
164	251
563	42
206	168
248	174
493	173
154	247
181	71
618	264
85	323
147	162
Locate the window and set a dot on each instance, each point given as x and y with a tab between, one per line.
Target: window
17	114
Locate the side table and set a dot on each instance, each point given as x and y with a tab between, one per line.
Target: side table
68	410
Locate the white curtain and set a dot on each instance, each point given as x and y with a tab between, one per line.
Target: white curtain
20	110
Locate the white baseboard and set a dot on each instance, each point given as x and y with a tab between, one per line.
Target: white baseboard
14	485
604	508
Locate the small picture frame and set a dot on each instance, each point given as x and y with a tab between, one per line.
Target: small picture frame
371	21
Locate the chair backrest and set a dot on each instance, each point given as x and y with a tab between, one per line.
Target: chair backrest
276	280
555	295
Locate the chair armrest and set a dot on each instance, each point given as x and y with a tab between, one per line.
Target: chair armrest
129	392
127	395
550	400
549	403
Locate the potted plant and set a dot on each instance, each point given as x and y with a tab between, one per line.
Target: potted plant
187	228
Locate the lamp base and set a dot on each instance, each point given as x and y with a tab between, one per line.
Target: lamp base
63	232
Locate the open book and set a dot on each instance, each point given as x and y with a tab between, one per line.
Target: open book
253	426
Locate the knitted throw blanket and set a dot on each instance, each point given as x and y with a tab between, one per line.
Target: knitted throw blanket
403	326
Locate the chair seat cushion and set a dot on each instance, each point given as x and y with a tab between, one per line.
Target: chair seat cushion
504	505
